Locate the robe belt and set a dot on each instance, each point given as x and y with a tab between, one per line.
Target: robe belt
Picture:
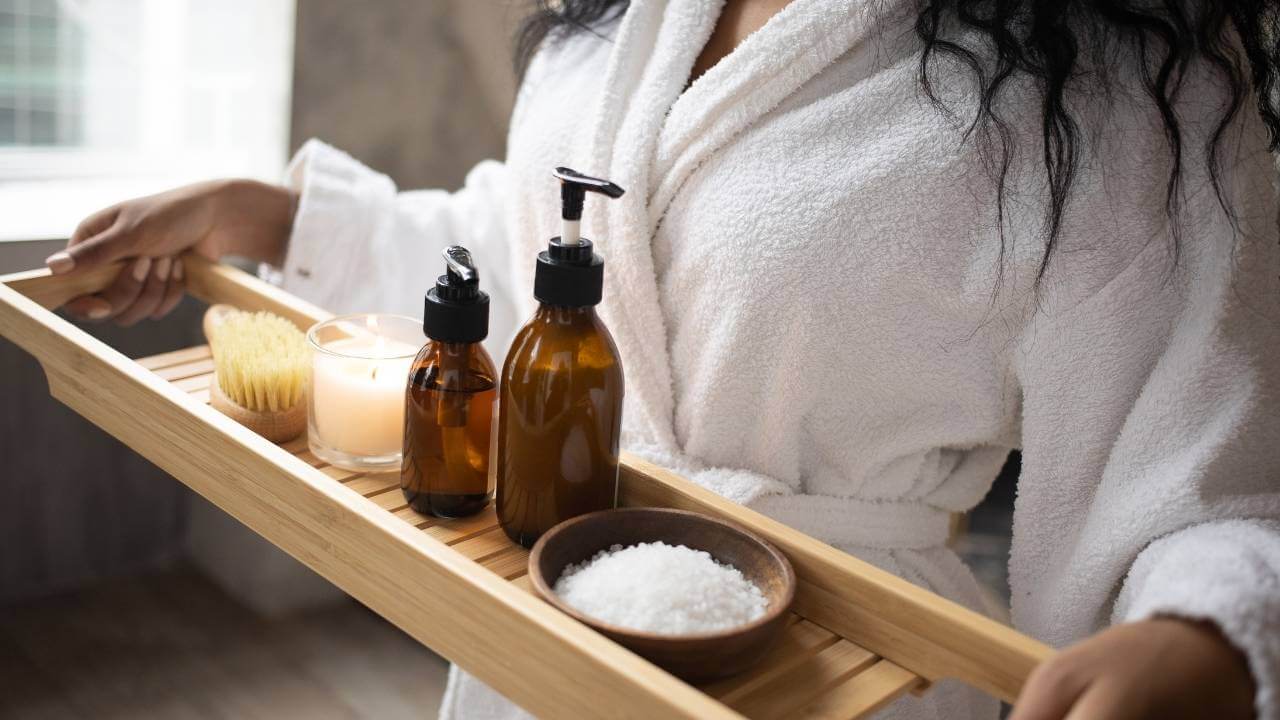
847	521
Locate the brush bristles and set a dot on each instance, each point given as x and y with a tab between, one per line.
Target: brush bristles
260	360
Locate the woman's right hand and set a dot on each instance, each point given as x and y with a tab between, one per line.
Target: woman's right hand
240	217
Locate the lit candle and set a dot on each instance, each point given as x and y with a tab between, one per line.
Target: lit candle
357	396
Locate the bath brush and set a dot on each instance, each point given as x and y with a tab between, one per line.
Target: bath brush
260	371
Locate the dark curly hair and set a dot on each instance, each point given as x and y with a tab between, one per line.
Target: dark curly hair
1053	42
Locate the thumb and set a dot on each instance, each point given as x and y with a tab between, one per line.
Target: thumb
106	247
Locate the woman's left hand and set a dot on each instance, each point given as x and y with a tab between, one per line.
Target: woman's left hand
1166	668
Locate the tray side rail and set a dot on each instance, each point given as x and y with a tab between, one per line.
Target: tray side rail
206	280
543	660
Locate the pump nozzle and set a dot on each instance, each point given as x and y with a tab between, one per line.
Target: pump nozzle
459	265
573	190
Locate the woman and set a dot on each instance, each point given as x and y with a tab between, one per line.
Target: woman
867	249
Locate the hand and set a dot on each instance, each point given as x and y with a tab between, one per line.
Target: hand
216	218
1167	668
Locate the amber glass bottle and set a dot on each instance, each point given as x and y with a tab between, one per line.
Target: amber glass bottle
449	403
448	429
560	405
561	416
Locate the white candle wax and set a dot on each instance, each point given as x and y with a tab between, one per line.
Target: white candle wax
358	402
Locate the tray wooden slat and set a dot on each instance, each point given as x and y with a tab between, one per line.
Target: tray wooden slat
186	370
862	694
804	682
364	540
485	545
177	357
802	640
364	484
192	384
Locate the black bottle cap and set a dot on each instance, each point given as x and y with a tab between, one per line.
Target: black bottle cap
456	311
569	275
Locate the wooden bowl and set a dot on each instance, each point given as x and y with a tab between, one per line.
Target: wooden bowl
695	658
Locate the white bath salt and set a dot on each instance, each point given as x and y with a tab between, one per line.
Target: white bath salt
660	588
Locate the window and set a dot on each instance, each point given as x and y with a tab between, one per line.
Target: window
106	99
40	75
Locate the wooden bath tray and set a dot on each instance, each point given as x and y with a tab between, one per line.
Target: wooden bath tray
859	638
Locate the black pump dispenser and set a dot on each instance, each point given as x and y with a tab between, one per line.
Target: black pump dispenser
569	273
456	311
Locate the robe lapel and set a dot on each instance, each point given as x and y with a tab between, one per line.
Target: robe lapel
655	49
769	65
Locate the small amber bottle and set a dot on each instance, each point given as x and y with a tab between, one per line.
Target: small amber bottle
450	401
560	405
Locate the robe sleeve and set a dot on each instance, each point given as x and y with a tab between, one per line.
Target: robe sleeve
1227	572
1151	413
360	245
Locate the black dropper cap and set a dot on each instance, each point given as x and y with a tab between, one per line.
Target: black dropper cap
456	311
569	273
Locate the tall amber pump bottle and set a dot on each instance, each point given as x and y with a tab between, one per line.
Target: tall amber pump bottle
560	404
448	419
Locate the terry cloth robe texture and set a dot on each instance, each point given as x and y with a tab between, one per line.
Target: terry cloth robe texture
817	319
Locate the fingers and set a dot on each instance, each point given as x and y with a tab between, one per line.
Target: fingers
64	261
1052	689
60	262
146	288
89	307
110	245
1105	701
173	291
151	294
117	296
126	288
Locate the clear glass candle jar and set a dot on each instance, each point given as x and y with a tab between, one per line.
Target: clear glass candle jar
359	372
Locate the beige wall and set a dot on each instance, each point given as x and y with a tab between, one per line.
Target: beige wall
418	89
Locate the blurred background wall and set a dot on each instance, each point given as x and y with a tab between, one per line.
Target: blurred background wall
417	89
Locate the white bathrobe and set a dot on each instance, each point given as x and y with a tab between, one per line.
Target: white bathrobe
802	280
